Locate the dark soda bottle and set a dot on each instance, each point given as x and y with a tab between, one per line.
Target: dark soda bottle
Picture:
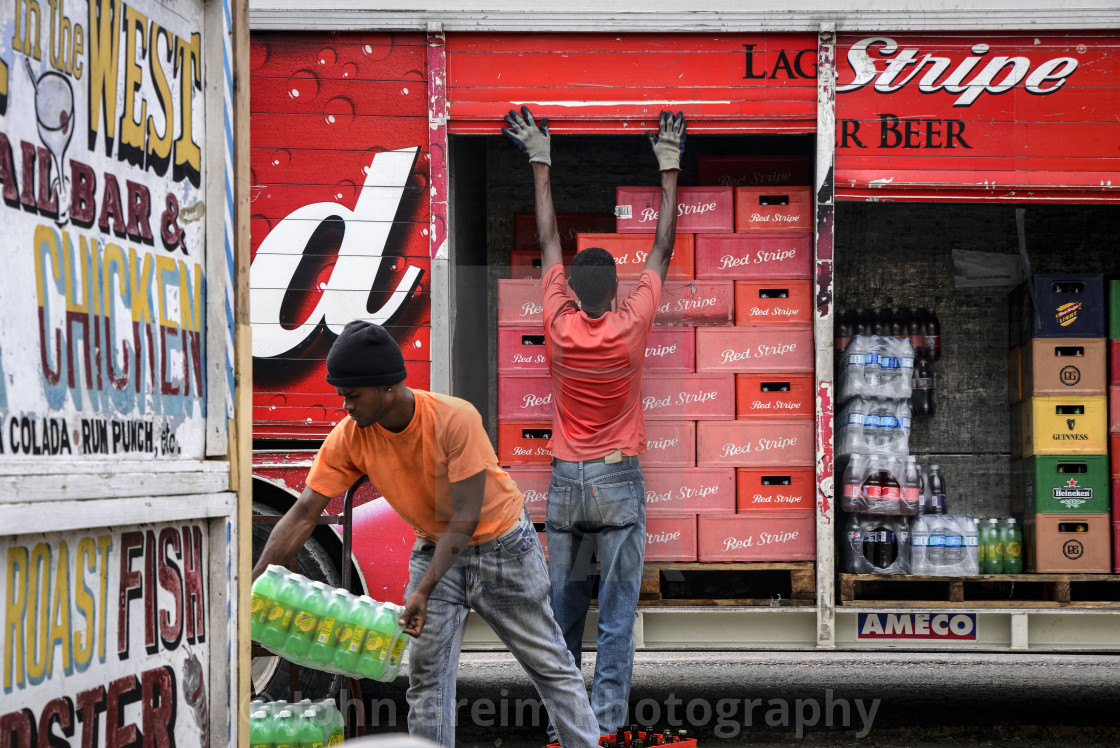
843	330
897	323
915	327
933	334
921	393
879	324
860	323
851	499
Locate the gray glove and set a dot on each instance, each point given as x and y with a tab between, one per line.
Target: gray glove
530	138
668	141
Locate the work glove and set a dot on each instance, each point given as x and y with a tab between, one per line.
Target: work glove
668	141
529	137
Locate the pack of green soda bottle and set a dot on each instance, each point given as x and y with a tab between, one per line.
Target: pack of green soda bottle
321	627
305	724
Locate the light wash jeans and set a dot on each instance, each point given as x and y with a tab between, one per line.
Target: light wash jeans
506	583
599	509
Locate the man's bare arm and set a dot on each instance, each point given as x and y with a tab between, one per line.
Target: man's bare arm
466	496
292	531
535	142
668	145
666	236
551	254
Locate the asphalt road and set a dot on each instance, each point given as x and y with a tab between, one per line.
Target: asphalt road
842	699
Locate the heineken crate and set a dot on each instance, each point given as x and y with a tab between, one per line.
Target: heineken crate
1055	484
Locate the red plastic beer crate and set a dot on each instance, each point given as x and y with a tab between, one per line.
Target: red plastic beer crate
525	264
690	303
521	350
524	443
520	303
645	736
754	171
774	303
677	491
773	442
688	396
1114	451
1114	409
1114	361
754	350
774	395
773	210
533	483
543	538
754	256
670	444
524	397
775	489
760	536
671	538
568	224
671	349
699	209
630	252
1116	499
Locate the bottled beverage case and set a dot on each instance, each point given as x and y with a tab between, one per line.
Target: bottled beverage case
945	545
327	629
307	724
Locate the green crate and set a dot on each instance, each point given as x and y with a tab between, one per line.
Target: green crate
1081	486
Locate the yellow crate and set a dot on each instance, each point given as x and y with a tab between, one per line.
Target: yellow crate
1065	425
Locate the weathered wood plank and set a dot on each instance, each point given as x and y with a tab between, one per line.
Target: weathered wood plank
32	517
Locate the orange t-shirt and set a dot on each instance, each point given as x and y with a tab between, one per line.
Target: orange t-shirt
596	367
444	443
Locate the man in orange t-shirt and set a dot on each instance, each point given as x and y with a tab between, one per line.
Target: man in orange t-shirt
430	457
595	353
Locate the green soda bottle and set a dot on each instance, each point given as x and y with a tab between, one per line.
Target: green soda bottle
287	729
352	634
993	548
264	594
1012	547
280	615
311	731
311	610
396	651
326	635
260	730
375	650
336	726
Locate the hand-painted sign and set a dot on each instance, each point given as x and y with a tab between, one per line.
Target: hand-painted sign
105	637
101	170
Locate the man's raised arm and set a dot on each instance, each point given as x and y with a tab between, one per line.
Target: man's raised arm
535	141
668	145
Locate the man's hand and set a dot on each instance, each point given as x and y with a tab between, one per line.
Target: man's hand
668	141
529	137
415	613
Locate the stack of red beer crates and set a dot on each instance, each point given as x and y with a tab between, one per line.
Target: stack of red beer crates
728	389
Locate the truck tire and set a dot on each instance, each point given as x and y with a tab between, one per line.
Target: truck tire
270	673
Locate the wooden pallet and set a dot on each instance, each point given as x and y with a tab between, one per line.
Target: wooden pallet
785	584
983	591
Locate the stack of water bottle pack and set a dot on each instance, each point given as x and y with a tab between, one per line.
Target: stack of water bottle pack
328	629
306	724
880	485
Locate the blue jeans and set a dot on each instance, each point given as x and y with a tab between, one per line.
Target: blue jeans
595	508
506	583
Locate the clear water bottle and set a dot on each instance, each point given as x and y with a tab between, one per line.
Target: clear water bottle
919	546
954	542
935	553
971	546
854	375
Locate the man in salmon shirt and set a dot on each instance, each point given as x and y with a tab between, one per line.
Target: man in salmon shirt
595	348
430	457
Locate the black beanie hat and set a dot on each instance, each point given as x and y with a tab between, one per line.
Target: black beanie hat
364	356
